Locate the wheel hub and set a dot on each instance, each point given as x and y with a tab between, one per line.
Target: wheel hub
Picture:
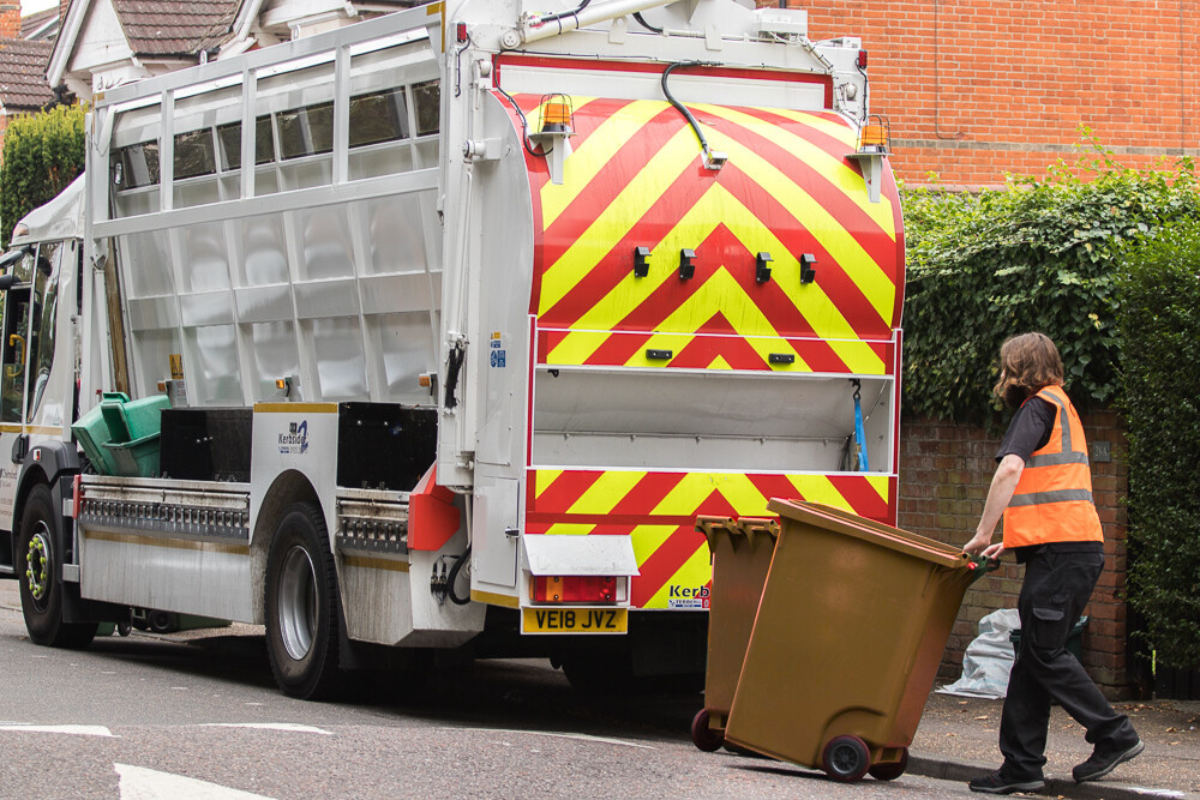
37	565
297	603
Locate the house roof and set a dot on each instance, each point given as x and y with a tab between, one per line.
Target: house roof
23	85
32	23
158	28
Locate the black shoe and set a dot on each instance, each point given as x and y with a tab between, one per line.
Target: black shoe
998	784
1098	765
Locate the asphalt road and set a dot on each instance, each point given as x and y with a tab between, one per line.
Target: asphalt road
159	717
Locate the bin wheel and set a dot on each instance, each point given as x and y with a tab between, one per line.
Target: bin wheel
846	759
889	772
704	737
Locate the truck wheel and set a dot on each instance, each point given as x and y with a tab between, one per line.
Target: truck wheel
302	606
846	759
38	567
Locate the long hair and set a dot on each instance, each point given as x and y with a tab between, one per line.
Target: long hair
1028	363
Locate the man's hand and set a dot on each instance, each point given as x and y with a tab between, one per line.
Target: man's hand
977	545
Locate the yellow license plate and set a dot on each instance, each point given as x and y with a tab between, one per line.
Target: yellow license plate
575	620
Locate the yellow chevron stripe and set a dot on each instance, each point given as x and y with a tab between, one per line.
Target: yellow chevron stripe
880	484
611	224
604	494
722	293
646	539
695	572
542	479
569	529
719	363
858	356
577	346
825	228
593	153
833	168
689	493
819	489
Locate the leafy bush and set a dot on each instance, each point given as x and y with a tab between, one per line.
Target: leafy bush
1159	323
1041	256
43	153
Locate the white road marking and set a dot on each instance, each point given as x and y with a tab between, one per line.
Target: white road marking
73	730
1156	792
583	737
139	783
292	727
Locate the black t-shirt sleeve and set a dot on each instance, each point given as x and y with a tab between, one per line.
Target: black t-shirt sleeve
1029	430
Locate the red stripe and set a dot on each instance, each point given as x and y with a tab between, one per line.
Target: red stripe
618	349
562	494
831	275
625	165
617	264
861	496
703	350
648	492
646	518
664	563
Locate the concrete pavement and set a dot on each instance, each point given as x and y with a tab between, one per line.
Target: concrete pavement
957	740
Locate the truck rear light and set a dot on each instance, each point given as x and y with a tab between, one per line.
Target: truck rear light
574	589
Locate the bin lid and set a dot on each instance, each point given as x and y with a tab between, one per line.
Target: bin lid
844	522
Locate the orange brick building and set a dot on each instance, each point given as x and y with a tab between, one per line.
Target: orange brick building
975	89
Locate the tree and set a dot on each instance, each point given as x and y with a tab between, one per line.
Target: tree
43	153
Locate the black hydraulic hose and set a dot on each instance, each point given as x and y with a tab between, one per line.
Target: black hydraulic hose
680	106
524	124
562	14
646	25
454	366
454	598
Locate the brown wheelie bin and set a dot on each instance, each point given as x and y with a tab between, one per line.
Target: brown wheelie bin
846	643
741	555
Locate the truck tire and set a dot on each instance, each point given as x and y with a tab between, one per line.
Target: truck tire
302	606
38	568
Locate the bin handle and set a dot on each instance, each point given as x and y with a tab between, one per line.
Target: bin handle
982	565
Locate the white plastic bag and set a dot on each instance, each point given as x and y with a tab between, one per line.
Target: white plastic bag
989	658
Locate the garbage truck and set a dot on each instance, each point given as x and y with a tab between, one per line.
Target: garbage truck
437	331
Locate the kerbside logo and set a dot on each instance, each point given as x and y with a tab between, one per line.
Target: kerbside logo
688	596
295	441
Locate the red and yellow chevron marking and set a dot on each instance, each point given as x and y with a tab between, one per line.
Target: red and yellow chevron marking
636	178
712	351
658	510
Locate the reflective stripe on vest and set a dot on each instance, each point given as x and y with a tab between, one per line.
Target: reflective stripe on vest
1053	500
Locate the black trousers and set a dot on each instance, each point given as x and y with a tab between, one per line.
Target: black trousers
1056	589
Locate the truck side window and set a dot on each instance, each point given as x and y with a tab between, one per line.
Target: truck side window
45	317
194	154
15	346
139	165
428	99
231	142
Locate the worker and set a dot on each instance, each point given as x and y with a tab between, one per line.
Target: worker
1043	487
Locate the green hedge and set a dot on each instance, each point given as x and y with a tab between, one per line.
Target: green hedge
1041	256
1108	268
1159	323
43	153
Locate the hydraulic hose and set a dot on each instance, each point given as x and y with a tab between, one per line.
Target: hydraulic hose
453	577
681	107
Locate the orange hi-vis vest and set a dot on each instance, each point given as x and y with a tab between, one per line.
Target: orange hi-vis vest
1053	499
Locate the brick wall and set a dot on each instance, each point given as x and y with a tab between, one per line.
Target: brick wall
945	472
10	20
977	88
